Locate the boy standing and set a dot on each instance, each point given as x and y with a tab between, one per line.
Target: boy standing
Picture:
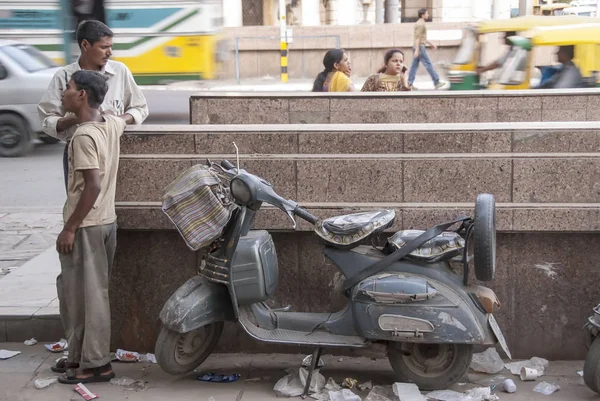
88	240
420	52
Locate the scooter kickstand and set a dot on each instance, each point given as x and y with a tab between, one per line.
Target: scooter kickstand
313	365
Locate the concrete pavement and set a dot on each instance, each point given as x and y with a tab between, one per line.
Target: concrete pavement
259	373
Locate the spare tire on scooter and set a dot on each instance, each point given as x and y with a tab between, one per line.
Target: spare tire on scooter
484	237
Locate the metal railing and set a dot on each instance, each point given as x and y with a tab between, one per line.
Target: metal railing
276	47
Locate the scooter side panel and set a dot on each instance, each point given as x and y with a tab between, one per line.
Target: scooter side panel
196	303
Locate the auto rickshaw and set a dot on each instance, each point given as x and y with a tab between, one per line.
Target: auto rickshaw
550	9
517	71
462	73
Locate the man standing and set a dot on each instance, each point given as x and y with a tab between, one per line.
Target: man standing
87	243
420	52
124	98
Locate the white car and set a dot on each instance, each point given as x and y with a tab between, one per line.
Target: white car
24	77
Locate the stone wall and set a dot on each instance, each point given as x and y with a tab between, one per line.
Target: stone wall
544	177
400	107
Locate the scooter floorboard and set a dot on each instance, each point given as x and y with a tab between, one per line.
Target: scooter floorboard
282	336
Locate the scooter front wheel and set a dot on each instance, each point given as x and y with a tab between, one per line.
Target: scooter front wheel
430	366
591	368
180	353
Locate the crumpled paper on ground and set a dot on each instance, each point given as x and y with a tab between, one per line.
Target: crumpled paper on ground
5	354
343	395
59	346
534	363
381	393
30	342
292	385
408	392
546	388
127	356
331	385
475	394
488	361
45	382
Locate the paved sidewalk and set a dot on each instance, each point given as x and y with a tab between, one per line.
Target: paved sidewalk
259	373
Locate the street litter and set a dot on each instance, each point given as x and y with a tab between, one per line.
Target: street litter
381	393
488	361
408	392
331	385
85	392
365	386
540	364
126	356
349	382
215	378
292	384
528	374
546	388
308	360
147	358
486	381
32	341
43	383
58	346
509	386
128	383
6	354
580	373
475	394
343	395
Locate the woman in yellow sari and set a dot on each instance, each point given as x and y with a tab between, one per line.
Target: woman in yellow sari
336	75
391	77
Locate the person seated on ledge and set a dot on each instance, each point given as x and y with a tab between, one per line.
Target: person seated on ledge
336	75
568	75
391	77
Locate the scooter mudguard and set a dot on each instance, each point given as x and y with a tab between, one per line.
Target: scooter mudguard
402	306
196	303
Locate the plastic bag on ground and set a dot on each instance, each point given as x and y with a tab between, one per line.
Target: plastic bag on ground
488	361
380	393
343	395
30	342
292	385
540	364
408	392
45	382
475	394
127	356
546	388
486	381
308	360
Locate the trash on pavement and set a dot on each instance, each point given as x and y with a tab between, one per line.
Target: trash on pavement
151	358
85	392
292	384
128	383
509	386
349	382
343	395
6	354
32	341
546	388
488	361
475	394
215	378
45	382
580	373
534	363
308	360
331	385
486	381
127	356
365	386
59	346
408	392
528	374
381	393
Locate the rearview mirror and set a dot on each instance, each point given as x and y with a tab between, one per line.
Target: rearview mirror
3	72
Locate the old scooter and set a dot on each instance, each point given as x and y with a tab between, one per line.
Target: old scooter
405	295
591	367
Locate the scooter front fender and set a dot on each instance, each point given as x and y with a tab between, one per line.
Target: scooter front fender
196	303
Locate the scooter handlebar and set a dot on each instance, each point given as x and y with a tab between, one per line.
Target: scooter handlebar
304	214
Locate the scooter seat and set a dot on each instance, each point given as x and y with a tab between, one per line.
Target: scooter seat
445	246
348	230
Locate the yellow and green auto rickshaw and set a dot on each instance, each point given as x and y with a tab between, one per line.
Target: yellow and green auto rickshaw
462	73
517	71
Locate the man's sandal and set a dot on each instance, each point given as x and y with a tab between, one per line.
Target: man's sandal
62	365
99	375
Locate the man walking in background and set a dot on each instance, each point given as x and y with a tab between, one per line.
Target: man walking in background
420	52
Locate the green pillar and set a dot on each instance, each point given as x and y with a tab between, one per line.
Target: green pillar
67	17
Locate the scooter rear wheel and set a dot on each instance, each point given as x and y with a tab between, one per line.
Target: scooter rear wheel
178	353
591	368
430	366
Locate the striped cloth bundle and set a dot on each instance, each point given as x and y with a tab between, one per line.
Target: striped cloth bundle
198	205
